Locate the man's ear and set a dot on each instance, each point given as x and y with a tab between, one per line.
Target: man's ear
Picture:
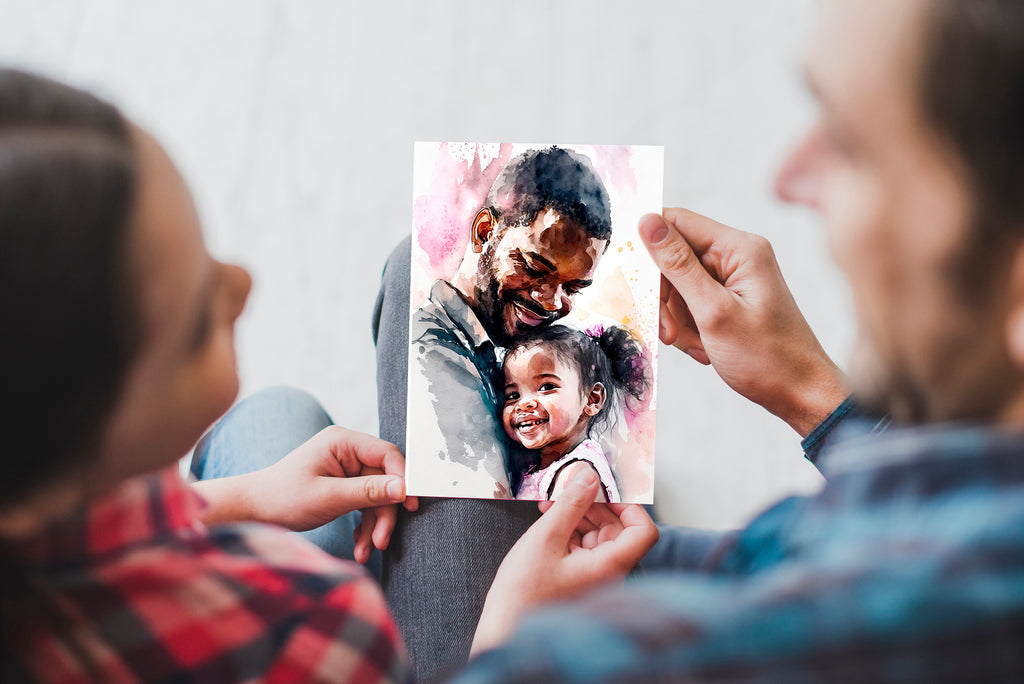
595	399
1015	316
484	226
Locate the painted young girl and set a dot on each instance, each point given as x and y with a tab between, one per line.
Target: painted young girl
562	387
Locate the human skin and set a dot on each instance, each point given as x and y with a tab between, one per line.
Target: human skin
576	545
519	277
896	205
898	210
725	303
184	377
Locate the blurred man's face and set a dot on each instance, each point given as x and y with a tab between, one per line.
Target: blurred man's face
529	275
898	213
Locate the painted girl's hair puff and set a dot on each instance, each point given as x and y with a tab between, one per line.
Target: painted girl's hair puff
610	355
626	359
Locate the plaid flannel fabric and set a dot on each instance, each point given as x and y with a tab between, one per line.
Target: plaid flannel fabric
908	566
134	588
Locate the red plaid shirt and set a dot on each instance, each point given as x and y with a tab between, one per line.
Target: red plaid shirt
135	588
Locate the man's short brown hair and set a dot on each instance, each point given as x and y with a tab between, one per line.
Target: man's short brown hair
972	94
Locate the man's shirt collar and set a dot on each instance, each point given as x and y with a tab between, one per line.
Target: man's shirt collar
856	451
448	298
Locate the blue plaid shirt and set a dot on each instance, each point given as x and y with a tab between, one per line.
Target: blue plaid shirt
908	565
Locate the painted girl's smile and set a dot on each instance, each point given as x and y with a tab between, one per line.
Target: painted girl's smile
544	405
528	426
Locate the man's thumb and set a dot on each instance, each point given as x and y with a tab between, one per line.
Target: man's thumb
572	504
678	262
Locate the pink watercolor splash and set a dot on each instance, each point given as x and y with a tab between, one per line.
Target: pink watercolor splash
445	214
614	163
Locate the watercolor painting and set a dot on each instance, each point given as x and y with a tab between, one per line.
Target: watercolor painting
534	320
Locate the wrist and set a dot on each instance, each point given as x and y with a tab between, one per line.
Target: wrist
811	399
495	625
228	499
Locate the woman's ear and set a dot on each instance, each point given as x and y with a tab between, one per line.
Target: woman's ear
483	227
595	399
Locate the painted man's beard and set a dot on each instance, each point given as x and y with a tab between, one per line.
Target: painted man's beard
492	305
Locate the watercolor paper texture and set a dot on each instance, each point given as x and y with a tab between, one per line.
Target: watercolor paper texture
509	240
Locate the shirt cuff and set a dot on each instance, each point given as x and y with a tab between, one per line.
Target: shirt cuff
815	440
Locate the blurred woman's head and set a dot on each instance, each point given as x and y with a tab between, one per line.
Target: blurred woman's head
118	345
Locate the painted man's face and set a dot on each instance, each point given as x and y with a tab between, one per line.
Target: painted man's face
530	274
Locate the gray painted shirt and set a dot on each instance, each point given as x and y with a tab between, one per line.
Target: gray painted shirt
455	445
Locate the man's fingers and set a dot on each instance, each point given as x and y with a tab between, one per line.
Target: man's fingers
698	355
600	515
638	535
634	515
586	525
666	290
679	311
684	334
698	230
667	328
676	328
679	263
565	514
592	539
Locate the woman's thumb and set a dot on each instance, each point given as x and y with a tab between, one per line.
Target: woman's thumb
368	490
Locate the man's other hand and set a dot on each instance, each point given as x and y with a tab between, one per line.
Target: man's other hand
725	303
576	545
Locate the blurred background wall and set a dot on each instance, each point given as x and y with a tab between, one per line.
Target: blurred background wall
293	121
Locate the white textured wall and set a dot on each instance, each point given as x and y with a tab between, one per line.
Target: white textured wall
294	120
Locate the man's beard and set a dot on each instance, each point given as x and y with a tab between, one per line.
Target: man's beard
884	389
968	373
967	376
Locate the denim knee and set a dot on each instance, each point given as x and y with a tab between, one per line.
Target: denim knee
258	431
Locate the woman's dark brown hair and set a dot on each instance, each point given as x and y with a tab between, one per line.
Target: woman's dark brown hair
67	185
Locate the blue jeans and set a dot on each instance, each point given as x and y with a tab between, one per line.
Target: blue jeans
259	431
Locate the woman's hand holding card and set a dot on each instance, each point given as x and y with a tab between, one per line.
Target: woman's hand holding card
337	471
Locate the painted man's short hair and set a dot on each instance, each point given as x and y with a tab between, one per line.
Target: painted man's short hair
552	178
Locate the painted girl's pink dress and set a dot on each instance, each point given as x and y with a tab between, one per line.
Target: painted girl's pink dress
537	484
